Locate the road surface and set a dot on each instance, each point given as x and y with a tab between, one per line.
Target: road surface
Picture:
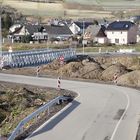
100	112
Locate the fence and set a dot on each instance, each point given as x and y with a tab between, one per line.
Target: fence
35	57
19	129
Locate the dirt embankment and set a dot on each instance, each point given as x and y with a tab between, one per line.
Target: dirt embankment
127	69
17	101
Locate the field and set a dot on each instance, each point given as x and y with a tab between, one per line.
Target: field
103	1
111	4
94	8
55	10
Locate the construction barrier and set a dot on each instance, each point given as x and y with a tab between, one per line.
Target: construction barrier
59	83
115	78
37	71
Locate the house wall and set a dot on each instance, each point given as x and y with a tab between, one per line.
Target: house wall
40	36
132	34
101	40
66	36
74	28
138	38
117	37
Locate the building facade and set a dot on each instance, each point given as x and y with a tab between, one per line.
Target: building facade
122	32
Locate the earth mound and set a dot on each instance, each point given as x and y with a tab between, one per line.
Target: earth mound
130	79
118	68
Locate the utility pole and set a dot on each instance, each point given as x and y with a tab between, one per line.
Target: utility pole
1	61
0	39
83	38
0	30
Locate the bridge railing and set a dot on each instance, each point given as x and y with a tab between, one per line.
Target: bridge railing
34	58
19	129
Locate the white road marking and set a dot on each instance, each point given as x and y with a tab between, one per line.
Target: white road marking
115	130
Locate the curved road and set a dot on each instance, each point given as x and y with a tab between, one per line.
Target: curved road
100	112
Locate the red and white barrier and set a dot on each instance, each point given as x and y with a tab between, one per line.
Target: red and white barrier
37	71
115	78
59	83
61	59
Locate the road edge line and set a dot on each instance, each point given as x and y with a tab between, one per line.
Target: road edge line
115	130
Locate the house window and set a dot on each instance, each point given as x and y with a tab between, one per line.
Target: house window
116	40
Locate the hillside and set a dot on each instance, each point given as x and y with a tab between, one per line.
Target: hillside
103	3
110	4
73	8
57	9
90	2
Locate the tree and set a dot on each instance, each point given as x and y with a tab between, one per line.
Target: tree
6	21
26	39
95	22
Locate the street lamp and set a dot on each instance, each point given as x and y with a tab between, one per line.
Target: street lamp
0	30
1	61
83	38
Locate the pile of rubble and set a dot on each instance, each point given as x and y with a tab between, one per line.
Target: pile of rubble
101	68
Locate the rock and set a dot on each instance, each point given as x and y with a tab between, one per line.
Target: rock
130	79
38	102
108	74
90	70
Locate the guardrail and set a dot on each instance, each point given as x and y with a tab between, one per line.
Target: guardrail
35	57
19	129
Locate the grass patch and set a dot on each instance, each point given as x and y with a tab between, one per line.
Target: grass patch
27	46
105	48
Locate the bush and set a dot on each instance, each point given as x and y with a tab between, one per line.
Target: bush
26	39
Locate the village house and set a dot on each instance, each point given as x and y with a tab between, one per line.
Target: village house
39	33
122	32
58	32
117	32
95	34
35	32
79	27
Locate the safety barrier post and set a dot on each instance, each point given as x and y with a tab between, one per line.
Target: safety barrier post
115	78
37	71
59	83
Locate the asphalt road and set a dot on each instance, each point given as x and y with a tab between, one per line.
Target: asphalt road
100	112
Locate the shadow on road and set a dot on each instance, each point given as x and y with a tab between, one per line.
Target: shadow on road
57	119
